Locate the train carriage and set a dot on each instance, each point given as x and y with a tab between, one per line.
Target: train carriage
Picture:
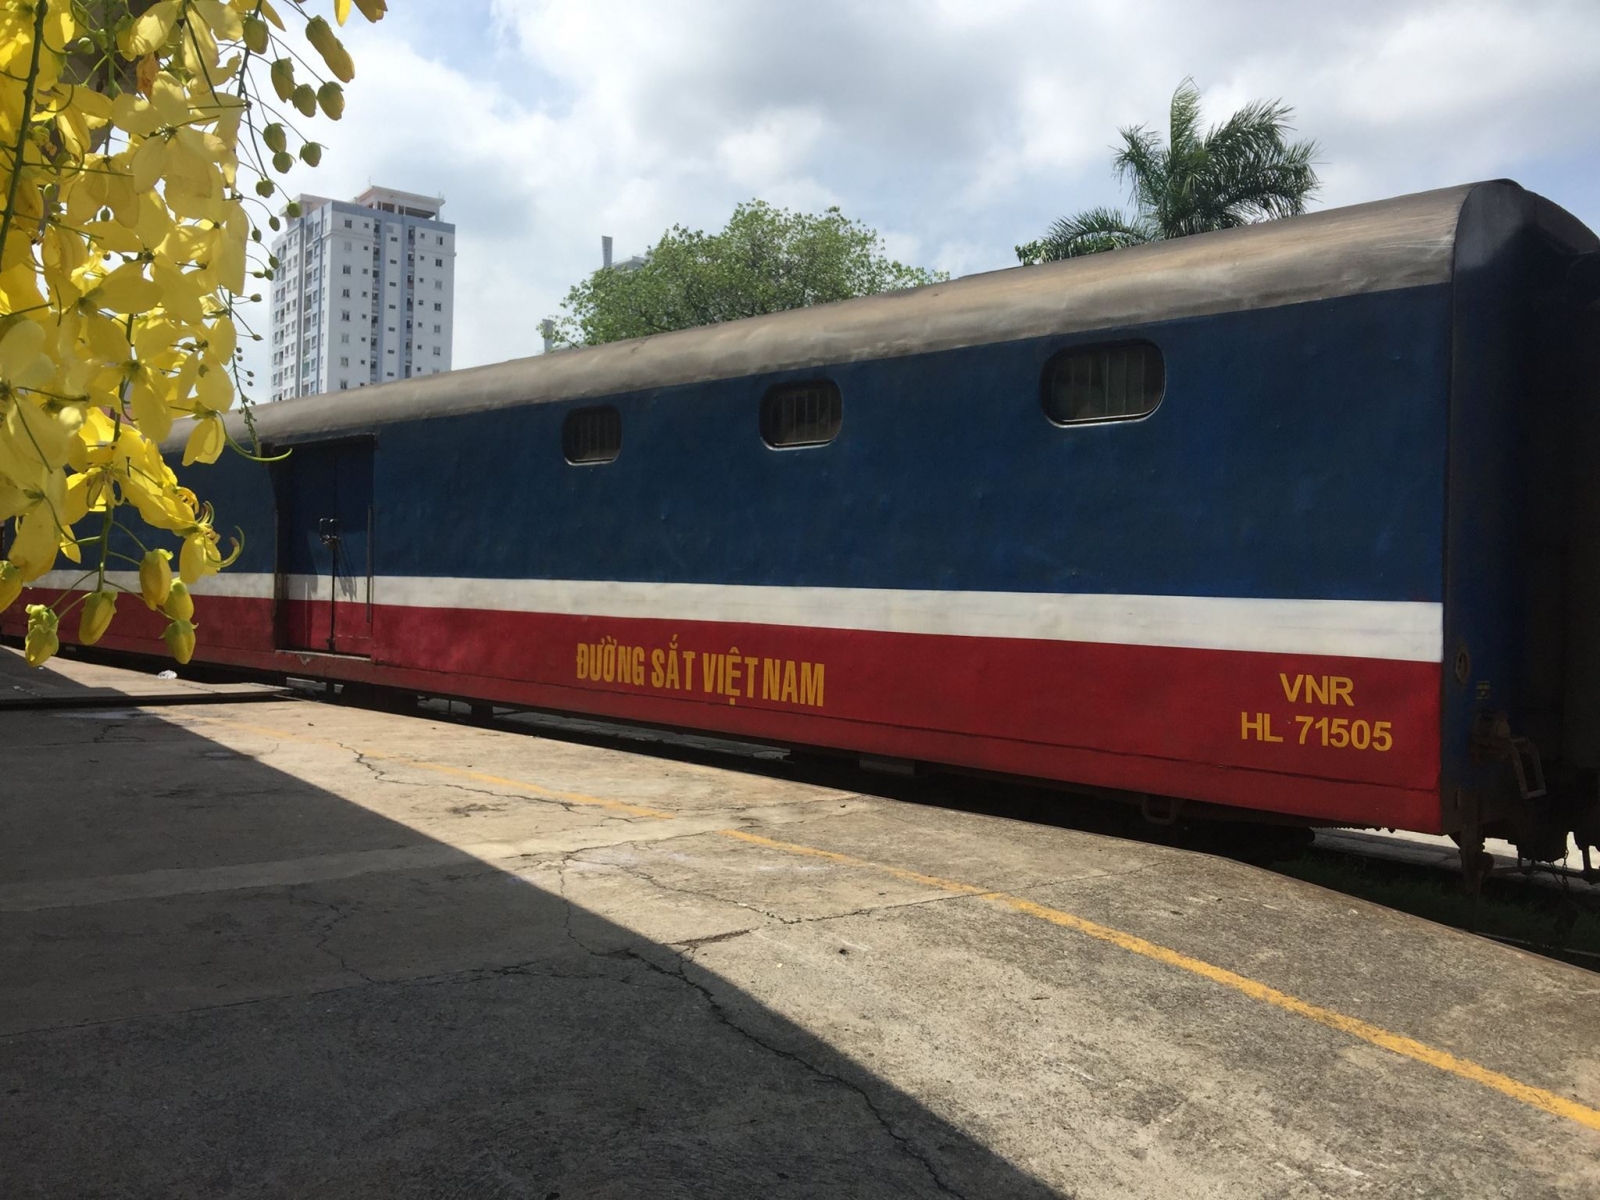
1300	518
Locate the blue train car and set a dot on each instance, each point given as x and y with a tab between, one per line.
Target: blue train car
1299	518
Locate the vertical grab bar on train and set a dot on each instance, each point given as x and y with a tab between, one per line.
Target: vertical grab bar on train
328	535
369	568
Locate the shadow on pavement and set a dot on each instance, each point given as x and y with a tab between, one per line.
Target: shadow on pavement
412	1023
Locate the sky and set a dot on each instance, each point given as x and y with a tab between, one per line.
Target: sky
956	128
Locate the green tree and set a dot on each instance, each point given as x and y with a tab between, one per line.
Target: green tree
766	260
1242	171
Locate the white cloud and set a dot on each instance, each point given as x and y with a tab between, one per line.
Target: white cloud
771	151
957	127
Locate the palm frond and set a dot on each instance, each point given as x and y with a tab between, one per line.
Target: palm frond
1141	164
1241	171
1269	186
1256	131
1091	232
1183	123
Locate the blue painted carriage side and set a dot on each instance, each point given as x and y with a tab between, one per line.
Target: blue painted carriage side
1493	570
1299	452
244	499
1481	510
319	482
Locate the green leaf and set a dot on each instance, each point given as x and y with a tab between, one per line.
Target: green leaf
765	260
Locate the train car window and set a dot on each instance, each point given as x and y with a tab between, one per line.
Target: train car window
592	435
1113	382
801	414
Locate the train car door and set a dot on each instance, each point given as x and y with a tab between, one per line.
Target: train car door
325	574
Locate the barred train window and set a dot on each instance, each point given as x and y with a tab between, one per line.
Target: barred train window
592	435
1113	382
801	414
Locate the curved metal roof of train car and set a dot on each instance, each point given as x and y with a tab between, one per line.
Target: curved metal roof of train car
1388	244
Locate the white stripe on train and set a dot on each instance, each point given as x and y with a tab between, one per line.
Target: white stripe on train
1382	629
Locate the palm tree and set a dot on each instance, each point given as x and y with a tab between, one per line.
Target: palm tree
1242	171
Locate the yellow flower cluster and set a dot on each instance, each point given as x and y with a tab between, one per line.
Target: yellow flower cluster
126	239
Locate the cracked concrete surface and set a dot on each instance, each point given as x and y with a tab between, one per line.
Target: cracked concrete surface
293	949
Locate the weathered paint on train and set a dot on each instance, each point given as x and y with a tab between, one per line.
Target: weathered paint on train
1259	595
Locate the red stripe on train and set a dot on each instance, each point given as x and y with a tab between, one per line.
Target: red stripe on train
1347	740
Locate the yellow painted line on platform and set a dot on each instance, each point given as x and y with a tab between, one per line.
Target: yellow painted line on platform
633	810
850	860
1443	1060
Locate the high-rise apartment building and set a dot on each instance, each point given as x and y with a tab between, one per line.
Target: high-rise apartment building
364	293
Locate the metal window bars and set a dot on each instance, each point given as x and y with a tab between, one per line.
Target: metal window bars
801	414
592	435
1114	382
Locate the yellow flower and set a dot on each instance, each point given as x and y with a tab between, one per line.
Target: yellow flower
98	610
41	642
199	556
130	250
213	391
179	605
150	486
224	22
126	290
10	583
147	400
23	364
155	577
179	637
38	538
206	440
150	30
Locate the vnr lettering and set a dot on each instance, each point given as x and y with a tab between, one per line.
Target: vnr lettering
1318	689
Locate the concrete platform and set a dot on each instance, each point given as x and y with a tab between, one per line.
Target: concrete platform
66	682
293	949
